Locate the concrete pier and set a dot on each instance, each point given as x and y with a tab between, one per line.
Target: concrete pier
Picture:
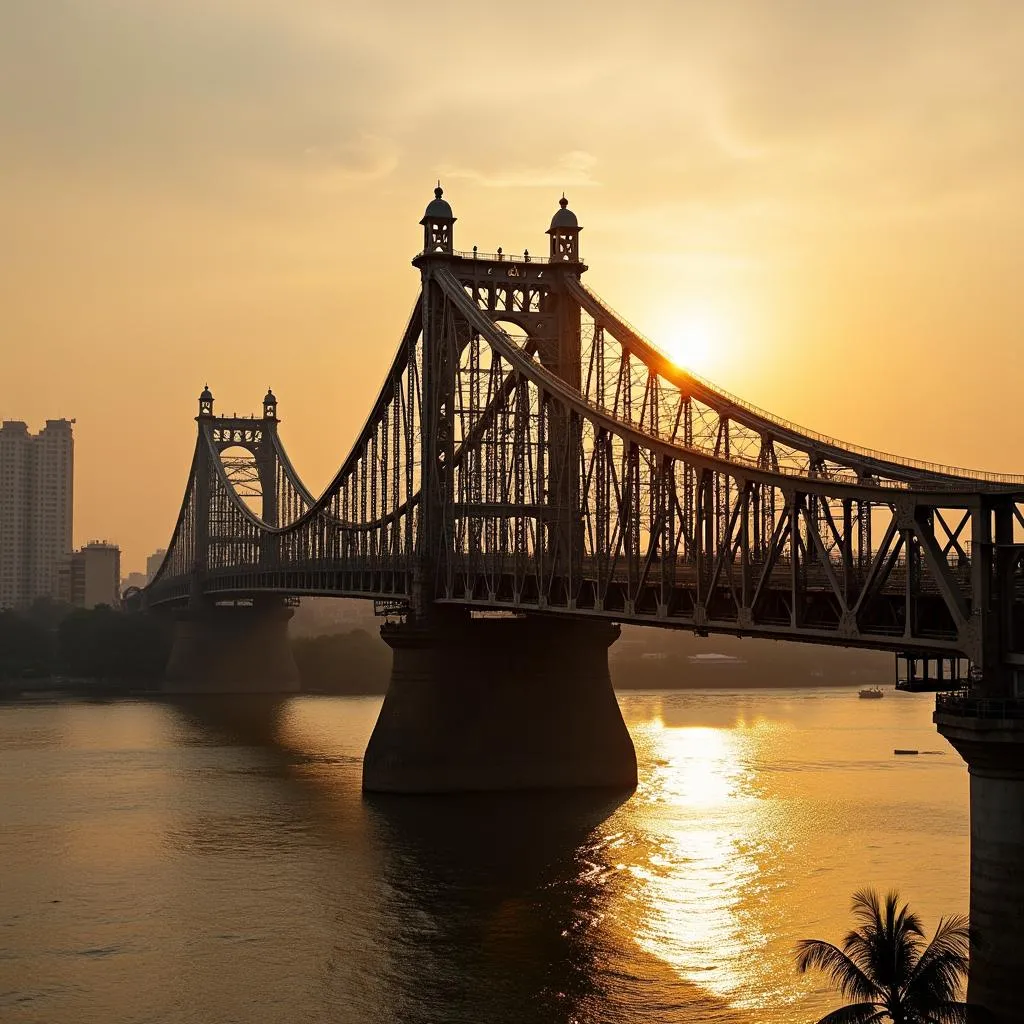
989	736
499	704
232	649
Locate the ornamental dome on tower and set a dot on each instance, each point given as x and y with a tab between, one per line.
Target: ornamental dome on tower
565	234
438	224
438	208
269	405
564	217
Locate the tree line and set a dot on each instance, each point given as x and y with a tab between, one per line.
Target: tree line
51	640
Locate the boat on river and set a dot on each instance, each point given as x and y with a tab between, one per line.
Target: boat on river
872	693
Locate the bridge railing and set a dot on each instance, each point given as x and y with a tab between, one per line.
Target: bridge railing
497	257
814	435
962	702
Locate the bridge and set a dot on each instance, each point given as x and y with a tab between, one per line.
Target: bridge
532	453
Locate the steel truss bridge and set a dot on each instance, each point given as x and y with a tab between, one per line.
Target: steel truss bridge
531	451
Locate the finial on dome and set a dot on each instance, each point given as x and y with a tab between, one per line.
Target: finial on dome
563	202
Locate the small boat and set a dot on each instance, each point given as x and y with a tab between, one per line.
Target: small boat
900	751
872	693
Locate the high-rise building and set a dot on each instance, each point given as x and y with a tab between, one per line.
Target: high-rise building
91	576
36	504
154	562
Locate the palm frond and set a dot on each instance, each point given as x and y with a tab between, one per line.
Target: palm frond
937	977
867	907
955	1013
903	937
855	1013
862	947
841	970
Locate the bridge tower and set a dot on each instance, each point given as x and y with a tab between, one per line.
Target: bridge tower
520	702
230	645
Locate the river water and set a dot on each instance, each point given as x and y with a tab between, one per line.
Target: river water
176	863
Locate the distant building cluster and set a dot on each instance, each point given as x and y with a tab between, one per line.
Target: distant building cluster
91	576
142	579
36	521
36	500
37	559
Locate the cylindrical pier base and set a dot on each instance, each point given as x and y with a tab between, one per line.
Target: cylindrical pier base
232	649
993	747
499	704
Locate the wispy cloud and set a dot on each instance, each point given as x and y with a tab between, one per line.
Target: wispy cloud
571	170
363	158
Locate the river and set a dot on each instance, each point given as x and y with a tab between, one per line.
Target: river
211	863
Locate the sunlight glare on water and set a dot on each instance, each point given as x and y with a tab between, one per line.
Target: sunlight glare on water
698	875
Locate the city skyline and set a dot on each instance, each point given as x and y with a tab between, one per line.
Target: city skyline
262	235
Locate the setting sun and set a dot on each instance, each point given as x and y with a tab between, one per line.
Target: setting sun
696	341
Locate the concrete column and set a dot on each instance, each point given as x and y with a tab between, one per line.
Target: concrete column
993	748
499	704
232	649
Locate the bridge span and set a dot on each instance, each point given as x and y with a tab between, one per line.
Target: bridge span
530	452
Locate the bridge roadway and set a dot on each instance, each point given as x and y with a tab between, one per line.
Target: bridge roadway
676	598
531	452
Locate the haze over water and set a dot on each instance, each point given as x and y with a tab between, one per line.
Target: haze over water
179	864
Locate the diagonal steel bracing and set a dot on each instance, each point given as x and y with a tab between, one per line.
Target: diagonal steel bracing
530	451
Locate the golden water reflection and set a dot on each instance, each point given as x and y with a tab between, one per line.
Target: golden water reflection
703	877
226	857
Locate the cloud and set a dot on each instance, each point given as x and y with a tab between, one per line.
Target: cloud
362	158
573	169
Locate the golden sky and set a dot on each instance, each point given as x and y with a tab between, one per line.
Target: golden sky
826	195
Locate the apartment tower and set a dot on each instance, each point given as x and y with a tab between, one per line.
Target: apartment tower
36	499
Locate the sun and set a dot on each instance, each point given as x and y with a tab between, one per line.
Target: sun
694	341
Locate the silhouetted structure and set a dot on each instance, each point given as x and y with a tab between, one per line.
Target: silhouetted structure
572	474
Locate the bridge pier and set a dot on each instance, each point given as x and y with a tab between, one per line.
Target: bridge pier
499	704
992	743
232	649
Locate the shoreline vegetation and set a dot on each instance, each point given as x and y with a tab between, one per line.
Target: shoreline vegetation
52	649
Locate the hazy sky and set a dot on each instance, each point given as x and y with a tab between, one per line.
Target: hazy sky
828	197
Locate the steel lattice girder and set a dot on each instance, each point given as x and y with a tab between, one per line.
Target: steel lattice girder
500	472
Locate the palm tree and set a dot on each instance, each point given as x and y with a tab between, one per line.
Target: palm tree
888	971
